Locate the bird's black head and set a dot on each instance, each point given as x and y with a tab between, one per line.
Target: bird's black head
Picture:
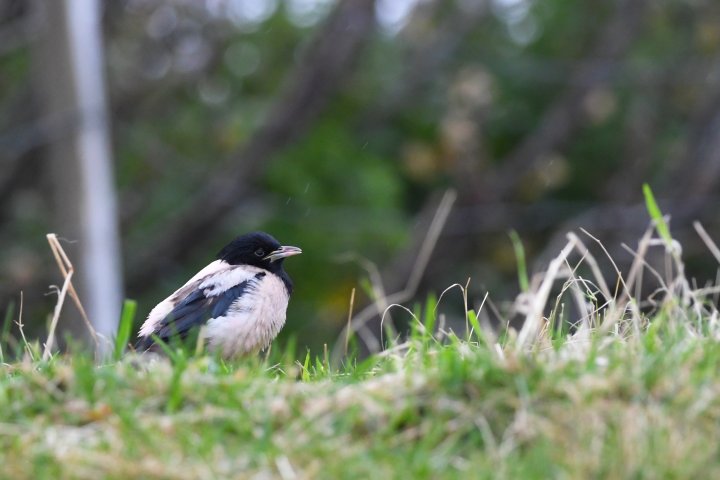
258	249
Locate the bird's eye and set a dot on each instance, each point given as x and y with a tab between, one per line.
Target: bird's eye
259	252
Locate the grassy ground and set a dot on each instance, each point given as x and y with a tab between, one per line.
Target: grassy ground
631	391
646	407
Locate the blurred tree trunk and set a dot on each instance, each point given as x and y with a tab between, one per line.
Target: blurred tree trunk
326	64
68	63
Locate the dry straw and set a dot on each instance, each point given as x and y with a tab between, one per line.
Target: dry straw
67	270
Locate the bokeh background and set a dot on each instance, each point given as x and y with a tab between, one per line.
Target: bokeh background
337	125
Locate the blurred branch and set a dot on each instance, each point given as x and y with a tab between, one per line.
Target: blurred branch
566	115
425	59
699	172
19	168
642	123
319	75
561	216
19	25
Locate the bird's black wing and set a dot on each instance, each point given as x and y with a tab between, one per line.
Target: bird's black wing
194	310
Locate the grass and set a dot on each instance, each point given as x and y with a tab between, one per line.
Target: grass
601	381
646	407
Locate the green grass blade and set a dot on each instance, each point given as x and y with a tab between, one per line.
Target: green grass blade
431	305
176	394
126	321
306	368
7	323
657	216
5	333
475	324
521	263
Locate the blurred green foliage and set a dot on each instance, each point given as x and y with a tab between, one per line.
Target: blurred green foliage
439	98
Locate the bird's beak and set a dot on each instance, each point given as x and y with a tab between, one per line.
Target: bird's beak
282	252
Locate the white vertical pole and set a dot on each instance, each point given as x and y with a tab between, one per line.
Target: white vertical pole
70	64
101	250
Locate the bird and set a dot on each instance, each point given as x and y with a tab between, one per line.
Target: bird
239	300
